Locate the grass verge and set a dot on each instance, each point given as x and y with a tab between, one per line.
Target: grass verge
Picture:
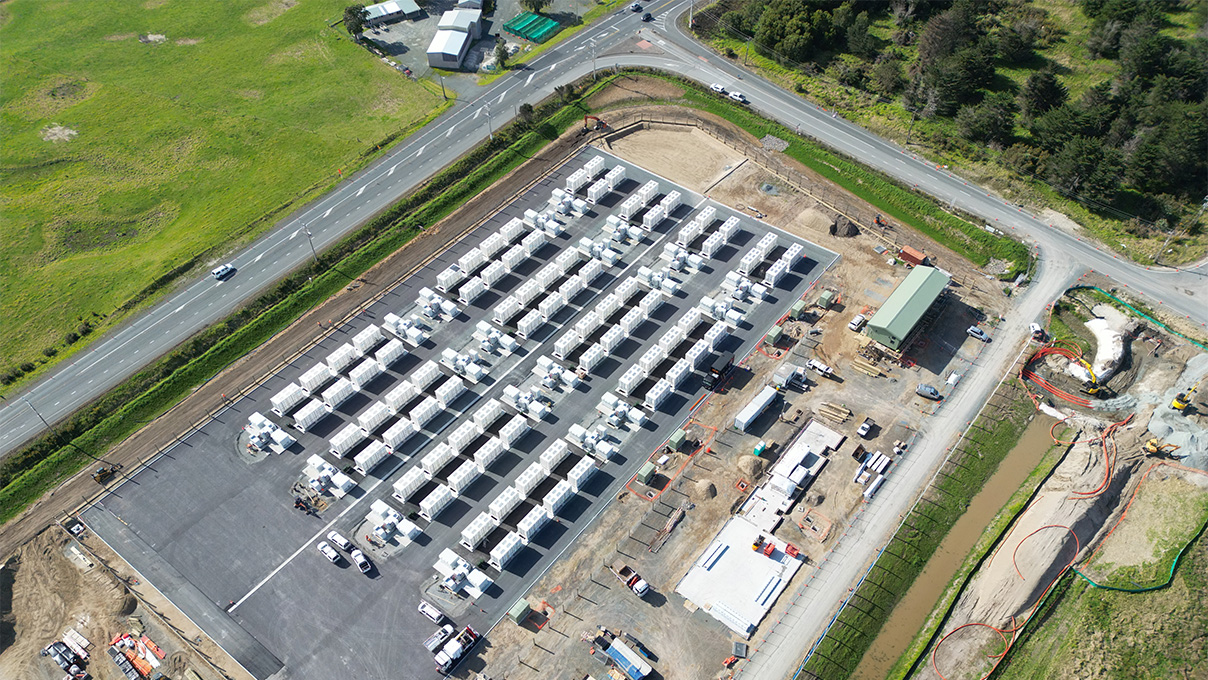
586	20
985	444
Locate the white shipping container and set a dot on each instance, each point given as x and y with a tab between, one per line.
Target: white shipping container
488	453
505	310
657	394
554	454
590	271
440	498
341	358
513	256
529	479
314	379
716	334
476	530
390	353
346	440
532	524
611	338
679	371
364	373
557	497
616	175
651	301
366	340
487	414
398	398
566	344
697	353
491	245
513	430
712	244
504	551
591	357
290	396
426	374
465	474
448	393
470	290
632	319
424	412
598	190
767	243
310	414
513	228
791	256
373	417
504	503
749	262
570	288
529	323
492	273
705	217
451	276
688	234
581	473
337	394
371	457
408	484
653	217
594	166
435	460
463	436
631	379
397	434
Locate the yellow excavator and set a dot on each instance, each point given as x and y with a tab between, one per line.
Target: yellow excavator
1183	399
1155	447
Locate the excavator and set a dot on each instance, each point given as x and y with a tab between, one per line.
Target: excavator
1183	399
1155	447
105	473
599	125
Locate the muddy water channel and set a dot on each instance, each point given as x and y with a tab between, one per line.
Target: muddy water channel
909	615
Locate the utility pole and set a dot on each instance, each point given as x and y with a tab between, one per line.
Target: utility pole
442	88
593	61
747	51
306	230
490	132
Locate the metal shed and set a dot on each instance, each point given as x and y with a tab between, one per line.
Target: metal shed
906	306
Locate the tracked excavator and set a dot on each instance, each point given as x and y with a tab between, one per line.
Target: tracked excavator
1155	447
1183	399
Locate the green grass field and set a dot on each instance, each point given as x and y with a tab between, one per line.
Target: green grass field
174	147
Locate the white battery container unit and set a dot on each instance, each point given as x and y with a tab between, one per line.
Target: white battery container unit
366	340
436	502
491	273
504	551
529	323
491	245
767	243
513	430
733	280
632	319
688	234
615	176
451	276
651	358
587	325
729	228
749	262
571	288
594	166
311	413
611	338
626	289
629	207
678	371
400	396
648	191
408	484
651	301
488	453
581	473
670	202
448	392
341	358
716	334
478	529
689	321
533	241
364	373
370	457
424	412
550	305
607	306
591	271
528	290
653	217
513	228
389	353
712	244
532	524
632	377
530	218
373	417
557	497
671	339
657	394
290	396
567	258
465	475
337	394
470	290
774	273
505	310
504	504
397	434
512	257
591	357
345	440
566	344
705	217
697	353
543	279
554	454
576	434
791	256
529	479
487	414
576	180
463	436
426	374
436	459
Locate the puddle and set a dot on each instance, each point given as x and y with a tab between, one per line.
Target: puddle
911	612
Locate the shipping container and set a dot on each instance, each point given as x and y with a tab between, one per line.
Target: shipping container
492	273
657	394
365	341
551	305
651	359
607	306
373	417
554	454
309	415
670	202
436	502
648	191
337	394
512	257
504	504
594	167
397	434
284	401
528	480
465	474
424	375
408	484
729	228
678	372
398	398
754	408
712	243
599	189
504	551
576	180
488	453
435	460
557	497
532	523
341	358
566	344
315	379
424	412
389	353
478	529
364	373
346	439
533	241
616	175
581	473
629	207
370	457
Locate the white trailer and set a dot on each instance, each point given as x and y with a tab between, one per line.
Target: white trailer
557	497
629	207
435	460
424	412
341	358
488	453
337	394
505	310
504	551
554	454
402	394
373	417
463	436
529	479
751	411
591	357
678	371
451	276
648	191
491	273
406	486
285	400
873	488
599	189
529	323
314	379
657	394
397	434
346	440
425	375
504	504
309	415
581	473
364	373
436	502
448	392
532	524
470	290
465	474
487	414
476	531
390	353
365	341
629	381
513	430
370	457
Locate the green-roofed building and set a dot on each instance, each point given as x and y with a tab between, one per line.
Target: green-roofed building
906	306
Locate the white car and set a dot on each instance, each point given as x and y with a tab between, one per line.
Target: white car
717	87
361	561
738	97
329	552
865	427
224	271
975	332
430	611
339	541
857	322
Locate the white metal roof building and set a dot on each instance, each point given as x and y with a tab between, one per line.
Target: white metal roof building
464	20
448	49
395	10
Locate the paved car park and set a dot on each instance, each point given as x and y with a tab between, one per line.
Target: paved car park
215	527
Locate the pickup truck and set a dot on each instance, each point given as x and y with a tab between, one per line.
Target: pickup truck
455	650
625	574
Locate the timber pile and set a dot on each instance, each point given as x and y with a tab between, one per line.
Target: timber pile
867	367
834	412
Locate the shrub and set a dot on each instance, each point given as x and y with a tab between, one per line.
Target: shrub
50	351
84	329
27	367
71	337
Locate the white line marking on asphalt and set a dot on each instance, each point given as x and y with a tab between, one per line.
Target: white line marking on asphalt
178	309
296	232
328	211
526	83
476	114
501	96
421	150
580	47
392	169
257	258
448	133
361	190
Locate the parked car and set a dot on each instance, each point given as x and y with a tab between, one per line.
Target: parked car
431	612
738	97
361	561
865	427
975	332
857	322
339	541
329	552
718	88
647	17
927	391
224	271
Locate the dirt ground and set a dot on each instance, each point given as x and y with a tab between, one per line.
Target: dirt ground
637	89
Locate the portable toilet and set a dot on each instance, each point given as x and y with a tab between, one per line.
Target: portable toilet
646	473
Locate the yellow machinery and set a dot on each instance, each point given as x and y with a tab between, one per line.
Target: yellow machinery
1183	399
1155	447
